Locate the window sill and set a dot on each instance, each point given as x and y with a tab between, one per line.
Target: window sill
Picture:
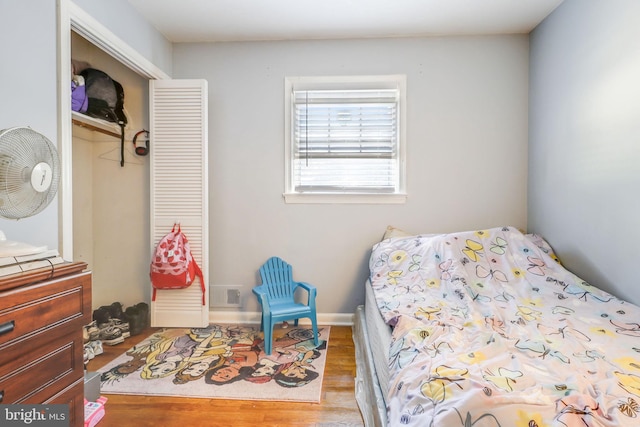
378	199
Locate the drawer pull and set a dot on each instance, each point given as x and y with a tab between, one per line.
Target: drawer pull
7	327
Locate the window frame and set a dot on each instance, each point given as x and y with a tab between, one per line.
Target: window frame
396	81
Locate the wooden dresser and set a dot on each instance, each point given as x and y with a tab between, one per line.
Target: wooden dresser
41	349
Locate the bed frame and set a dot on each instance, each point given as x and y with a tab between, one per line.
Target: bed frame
369	394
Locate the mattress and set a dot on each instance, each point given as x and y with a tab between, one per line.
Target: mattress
489	329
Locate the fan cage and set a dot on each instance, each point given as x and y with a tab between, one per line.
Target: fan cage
29	172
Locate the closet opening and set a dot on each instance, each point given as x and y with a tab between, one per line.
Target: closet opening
111	187
113	221
104	208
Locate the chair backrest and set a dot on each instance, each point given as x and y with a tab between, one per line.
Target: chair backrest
277	278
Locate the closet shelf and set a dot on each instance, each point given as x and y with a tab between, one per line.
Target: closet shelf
108	128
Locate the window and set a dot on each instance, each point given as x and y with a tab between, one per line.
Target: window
345	139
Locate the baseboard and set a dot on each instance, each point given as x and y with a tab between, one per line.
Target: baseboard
331	319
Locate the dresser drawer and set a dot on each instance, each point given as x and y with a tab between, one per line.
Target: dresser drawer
64	304
74	397
41	347
43	371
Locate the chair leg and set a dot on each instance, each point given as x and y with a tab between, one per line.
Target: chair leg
268	336
314	325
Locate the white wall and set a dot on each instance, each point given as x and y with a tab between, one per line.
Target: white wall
584	151
467	152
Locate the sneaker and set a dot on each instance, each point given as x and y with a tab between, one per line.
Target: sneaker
87	355
85	335
110	335
122	325
90	332
96	347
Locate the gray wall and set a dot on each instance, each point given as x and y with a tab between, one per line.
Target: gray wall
125	22
466	144
584	146
467	106
29	72
28	95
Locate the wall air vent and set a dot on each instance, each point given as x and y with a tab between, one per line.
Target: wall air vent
225	296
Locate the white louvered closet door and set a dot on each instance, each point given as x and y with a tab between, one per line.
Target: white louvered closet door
179	190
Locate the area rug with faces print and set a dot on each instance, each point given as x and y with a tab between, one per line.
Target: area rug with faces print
222	362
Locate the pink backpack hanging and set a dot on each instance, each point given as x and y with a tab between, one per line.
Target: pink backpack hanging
173	266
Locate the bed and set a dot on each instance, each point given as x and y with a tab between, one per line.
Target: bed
487	328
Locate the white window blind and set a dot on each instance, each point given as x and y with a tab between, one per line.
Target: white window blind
345	141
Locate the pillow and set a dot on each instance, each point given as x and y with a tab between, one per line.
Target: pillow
392	232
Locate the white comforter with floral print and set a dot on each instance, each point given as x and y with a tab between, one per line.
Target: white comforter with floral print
491	330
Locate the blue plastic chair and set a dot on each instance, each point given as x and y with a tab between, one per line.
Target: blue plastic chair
276	295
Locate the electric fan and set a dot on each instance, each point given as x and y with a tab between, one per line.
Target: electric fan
29	172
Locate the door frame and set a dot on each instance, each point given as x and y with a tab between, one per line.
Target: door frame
73	18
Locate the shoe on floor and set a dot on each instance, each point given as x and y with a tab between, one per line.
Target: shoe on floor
101	315
110	335
136	322
87	354
116	311
122	325
90	332
92	349
144	309
95	346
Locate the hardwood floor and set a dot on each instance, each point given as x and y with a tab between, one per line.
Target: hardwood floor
337	408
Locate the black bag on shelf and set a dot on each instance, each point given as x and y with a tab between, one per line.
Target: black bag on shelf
105	96
105	99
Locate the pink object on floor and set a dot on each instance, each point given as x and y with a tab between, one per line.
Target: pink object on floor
93	411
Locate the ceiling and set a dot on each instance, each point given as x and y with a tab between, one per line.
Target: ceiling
250	20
